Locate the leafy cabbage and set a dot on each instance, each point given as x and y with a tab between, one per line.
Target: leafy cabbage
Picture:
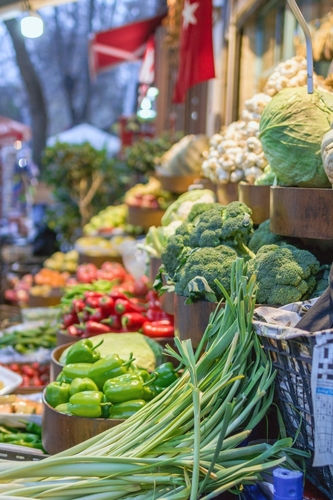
292	127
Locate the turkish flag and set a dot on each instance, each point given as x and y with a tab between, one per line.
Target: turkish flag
124	44
196	58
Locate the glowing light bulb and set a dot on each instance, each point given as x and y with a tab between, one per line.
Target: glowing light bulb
32	26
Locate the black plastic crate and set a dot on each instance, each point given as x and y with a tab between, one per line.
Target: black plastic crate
293	361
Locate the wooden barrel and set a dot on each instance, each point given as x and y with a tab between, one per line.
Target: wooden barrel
258	199
144	217
226	193
302	212
61	431
191	320
177	184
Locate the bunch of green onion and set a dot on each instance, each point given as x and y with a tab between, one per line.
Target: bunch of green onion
184	444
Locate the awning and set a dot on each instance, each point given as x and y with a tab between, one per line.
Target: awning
11	131
125	44
13	8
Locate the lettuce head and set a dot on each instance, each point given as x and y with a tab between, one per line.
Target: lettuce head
292	127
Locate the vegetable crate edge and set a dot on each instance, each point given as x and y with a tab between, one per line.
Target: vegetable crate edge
293	361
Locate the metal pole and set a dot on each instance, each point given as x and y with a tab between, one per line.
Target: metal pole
309	57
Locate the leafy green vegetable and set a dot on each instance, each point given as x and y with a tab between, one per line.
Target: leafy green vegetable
196	276
291	130
180	209
284	274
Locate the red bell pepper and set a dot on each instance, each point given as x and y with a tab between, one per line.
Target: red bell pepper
138	305
141	286
78	305
122	306
95	314
158	329
69	319
95	328
74	331
113	321
117	294
106	303
92	302
132	319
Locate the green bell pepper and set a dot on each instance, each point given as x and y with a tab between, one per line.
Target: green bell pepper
74	370
166	374
109	367
126	409
82	384
57	393
123	388
83	351
64	408
87	404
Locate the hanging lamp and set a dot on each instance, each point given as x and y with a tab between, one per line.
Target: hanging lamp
32	25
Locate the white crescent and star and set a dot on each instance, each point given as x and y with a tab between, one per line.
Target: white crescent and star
188	13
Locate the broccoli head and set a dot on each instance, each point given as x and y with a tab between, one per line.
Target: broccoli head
200	208
196	277
263	236
176	245
284	274
227	225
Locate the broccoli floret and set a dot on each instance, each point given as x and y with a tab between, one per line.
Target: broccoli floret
263	236
176	245
231	225
195	278
322	281
284	274
200	208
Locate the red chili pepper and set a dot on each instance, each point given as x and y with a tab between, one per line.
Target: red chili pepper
95	314
106	303
69	319
158	329
94	328
113	321
132	319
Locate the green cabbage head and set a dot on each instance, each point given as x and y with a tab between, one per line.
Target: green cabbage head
292	127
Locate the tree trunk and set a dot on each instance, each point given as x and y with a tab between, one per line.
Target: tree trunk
30	77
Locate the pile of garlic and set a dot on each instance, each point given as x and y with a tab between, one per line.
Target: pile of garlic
236	153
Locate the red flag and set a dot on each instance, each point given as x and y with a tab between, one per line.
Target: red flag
127	43
196	60
147	71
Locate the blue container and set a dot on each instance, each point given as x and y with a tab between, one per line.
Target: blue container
288	484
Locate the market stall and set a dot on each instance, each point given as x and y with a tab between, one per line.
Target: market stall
188	350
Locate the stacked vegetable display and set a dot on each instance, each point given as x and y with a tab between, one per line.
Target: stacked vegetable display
91	386
207	243
185	443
